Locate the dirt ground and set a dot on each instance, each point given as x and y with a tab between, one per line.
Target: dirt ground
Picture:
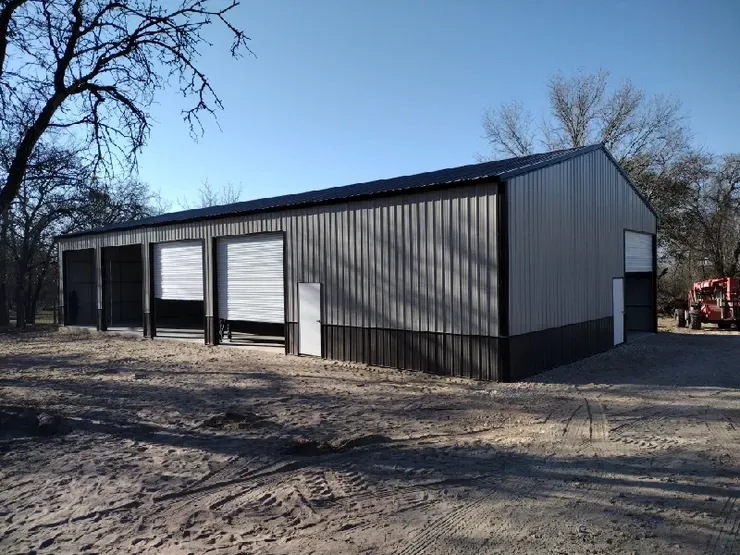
174	448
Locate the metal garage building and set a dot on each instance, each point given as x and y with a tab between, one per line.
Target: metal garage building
493	271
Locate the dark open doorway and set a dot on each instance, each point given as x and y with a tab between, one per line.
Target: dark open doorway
123	278
80	301
639	303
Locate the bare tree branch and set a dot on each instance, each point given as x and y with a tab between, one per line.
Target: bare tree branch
89	69
647	134
6	17
509	129
208	195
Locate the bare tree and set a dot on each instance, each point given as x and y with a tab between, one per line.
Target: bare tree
208	195
714	218
58	195
644	133
647	135
702	238
89	69
509	130
576	103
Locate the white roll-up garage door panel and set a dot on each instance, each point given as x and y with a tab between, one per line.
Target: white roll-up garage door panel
250	278
178	271
638	252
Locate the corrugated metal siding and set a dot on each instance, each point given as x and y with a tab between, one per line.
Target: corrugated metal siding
437	353
566	241
397	262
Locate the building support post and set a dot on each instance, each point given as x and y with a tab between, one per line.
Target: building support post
210	291
147	259
99	288
61	276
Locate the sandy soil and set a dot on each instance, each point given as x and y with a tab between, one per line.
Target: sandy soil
175	448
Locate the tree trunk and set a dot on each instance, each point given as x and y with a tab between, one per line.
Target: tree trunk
20	304
30	302
37	291
4	320
21	287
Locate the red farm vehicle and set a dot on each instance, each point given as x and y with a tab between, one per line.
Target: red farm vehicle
713	301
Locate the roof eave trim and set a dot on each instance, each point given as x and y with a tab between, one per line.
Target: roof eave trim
551	162
411	190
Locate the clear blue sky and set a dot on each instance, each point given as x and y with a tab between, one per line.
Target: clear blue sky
343	91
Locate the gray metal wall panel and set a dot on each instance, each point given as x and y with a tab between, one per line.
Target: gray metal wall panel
566	241
422	262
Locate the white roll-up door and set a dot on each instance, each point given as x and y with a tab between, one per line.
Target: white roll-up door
178	271
638	252
250	278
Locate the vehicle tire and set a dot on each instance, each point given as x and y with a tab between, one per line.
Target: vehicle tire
695	320
680	319
723	325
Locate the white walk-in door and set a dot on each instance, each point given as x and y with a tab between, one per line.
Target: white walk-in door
250	279
309	319
638	252
178	271
618	304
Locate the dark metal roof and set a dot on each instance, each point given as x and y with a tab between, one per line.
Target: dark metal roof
488	170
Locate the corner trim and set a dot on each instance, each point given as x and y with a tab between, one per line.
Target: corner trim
655	283
502	263
152	301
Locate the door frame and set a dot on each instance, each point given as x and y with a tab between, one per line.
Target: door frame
215	276
321	316
654	270
624	319
152	286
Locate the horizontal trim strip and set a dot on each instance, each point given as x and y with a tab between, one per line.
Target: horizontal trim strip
402	330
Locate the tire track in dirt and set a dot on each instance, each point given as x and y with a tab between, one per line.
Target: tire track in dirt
587	427
226	468
649	419
438	536
724	431
653	430
474	528
349	481
239	475
271	503
726	539
317	488
236	491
